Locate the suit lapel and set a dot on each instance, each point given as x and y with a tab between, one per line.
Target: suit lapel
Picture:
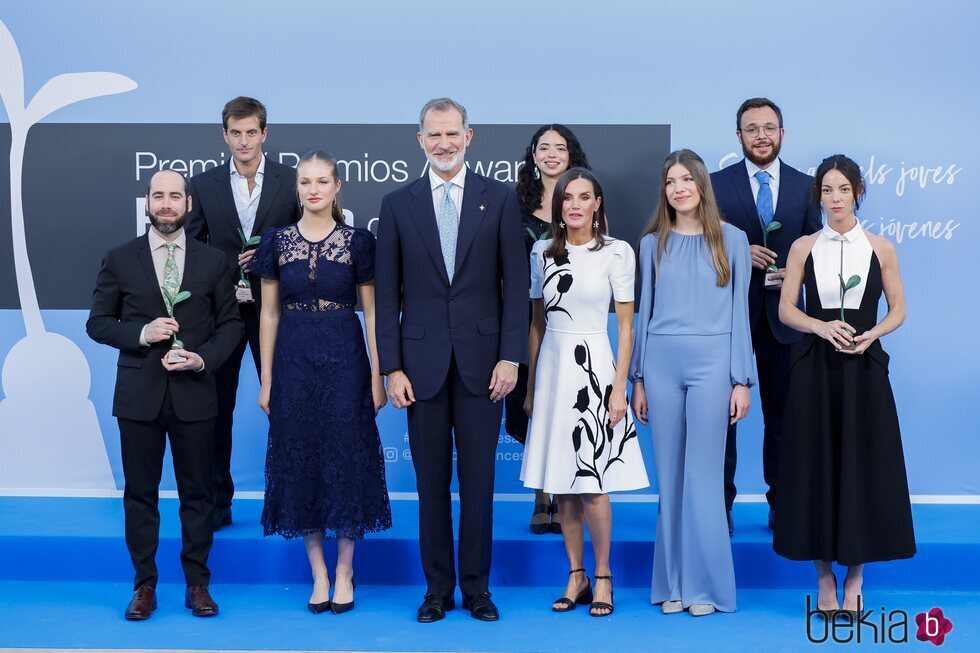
190	260
474	208
270	186
785	188
744	191
424	216
146	259
222	191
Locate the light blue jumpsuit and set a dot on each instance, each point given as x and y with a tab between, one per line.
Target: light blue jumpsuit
693	343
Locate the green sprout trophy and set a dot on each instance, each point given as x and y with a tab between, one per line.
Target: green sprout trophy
170	302
243	290
844	287
770	282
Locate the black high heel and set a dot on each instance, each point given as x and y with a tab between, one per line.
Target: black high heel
319	608
541	509
555	527
832	613
584	597
340	608
602	605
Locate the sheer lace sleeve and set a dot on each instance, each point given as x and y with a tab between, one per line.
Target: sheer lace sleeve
265	263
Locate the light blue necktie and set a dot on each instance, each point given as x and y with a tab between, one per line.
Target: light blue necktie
448	229
763	201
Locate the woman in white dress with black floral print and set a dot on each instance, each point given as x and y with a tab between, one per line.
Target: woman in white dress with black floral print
582	442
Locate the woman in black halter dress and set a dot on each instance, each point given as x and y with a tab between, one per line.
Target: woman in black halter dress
849	499
553	150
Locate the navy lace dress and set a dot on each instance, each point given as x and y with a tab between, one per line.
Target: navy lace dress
324	469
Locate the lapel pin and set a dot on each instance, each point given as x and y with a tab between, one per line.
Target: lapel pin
483	208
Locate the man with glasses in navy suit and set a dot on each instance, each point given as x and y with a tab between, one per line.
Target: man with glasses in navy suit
754	194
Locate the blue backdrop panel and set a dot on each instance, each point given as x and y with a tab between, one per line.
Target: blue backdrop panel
900	97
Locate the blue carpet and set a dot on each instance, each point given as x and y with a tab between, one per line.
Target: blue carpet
89	615
57	539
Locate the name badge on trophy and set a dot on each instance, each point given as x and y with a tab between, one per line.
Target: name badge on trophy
770	282
243	289
170	301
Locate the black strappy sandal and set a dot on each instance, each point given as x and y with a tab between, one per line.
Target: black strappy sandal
584	597
602	605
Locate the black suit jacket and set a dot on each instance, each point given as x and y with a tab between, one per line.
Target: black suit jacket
127	296
795	210
481	317
214	218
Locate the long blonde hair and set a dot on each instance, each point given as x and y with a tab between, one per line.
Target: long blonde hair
665	217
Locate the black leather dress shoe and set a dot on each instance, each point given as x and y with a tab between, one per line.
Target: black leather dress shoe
198	600
143	604
434	608
481	607
220	517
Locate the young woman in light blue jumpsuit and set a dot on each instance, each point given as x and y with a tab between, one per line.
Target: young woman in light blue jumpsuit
692	367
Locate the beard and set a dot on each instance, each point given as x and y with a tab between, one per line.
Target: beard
446	166
762	161
167	227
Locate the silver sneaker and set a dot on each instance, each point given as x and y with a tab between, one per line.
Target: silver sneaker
701	609
671	607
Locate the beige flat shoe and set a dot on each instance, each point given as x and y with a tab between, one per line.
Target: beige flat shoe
701	609
671	607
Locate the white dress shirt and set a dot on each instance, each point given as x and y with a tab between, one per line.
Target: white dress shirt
437	184
773	171
158	252
247	203
841	254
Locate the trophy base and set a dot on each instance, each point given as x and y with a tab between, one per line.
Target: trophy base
244	295
174	357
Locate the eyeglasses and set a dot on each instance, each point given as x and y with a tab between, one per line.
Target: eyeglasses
752	130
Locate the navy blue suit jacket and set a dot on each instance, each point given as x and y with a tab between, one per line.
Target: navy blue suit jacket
481	317
214	218
796	211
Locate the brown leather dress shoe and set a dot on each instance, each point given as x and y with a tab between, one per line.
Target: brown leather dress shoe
143	604
199	601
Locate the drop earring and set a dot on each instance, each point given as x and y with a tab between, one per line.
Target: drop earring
537	173
561	225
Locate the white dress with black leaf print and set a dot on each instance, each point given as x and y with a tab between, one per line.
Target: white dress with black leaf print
570	447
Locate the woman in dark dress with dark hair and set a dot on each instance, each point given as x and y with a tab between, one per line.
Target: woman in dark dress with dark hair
553	150
849	499
324	469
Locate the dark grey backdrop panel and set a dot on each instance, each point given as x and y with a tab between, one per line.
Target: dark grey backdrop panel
82	183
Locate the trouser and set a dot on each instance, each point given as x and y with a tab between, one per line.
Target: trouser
226	381
143	445
688	385
772	359
473	422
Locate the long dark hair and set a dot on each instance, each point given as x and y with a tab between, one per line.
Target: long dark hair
336	210
529	189
666	217
846	167
559	235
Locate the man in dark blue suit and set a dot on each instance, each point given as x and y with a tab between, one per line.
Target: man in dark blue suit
248	196
451	259
752	194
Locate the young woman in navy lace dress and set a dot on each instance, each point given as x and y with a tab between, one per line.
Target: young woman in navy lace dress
324	466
